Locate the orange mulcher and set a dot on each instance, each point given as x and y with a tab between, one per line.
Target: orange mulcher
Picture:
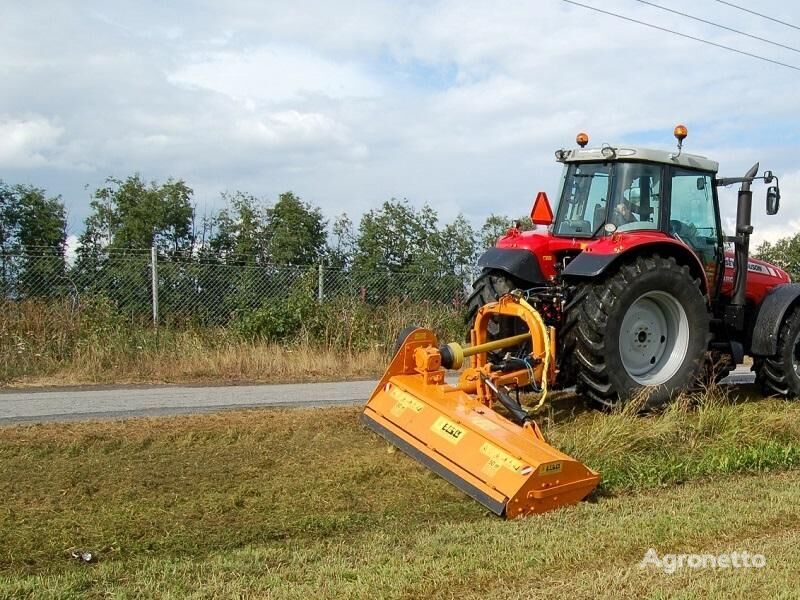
501	460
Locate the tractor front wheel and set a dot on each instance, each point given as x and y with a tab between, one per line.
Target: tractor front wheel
644	328
779	375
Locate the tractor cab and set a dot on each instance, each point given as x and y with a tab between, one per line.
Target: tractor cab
609	191
618	190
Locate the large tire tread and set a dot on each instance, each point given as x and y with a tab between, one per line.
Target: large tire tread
775	374
600	305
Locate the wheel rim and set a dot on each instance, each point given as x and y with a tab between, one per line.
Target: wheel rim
654	338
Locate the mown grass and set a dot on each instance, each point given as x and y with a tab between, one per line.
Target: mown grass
307	502
59	343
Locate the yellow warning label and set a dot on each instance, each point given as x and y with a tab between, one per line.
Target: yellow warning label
404	401
551	468
498	458
452	432
491	467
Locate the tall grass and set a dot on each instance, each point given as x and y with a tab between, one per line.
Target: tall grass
65	343
710	432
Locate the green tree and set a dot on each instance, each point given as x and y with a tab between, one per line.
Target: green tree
343	249
30	220
240	230
396	237
784	253
496	227
7	217
458	246
402	251
296	231
131	213
33	236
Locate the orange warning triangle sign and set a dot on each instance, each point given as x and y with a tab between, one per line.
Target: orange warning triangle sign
541	213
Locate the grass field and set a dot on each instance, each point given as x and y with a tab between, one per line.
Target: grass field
293	504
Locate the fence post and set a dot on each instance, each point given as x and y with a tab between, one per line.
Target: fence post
321	283
154	282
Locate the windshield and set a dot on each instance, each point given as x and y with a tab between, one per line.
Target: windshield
634	191
582	209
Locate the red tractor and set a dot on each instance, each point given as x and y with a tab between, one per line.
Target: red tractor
633	274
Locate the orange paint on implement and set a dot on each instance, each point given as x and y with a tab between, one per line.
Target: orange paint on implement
454	431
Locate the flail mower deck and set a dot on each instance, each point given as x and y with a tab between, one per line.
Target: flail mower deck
503	462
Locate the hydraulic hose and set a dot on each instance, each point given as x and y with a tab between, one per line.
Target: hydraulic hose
545	334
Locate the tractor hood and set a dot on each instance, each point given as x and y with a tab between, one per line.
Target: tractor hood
761	277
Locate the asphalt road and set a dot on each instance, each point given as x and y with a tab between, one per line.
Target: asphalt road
85	404
67	404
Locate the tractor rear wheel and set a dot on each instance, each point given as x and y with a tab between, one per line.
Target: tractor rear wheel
643	328
779	375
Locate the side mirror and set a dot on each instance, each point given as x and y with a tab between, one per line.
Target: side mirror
773	200
701	183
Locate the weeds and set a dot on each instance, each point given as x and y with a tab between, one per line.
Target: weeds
64	343
702	434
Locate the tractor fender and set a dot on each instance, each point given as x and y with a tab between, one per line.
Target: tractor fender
770	316
594	264
520	264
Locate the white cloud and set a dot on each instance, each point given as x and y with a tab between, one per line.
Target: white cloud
71	248
288	128
276	74
27	143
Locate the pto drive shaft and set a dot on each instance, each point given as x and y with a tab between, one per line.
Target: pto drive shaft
453	354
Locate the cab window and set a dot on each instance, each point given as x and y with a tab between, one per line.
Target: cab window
693	218
582	210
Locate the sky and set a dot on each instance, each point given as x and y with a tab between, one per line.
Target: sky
458	104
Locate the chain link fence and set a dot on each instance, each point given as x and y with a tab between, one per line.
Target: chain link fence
212	290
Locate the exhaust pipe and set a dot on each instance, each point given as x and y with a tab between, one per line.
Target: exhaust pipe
744	228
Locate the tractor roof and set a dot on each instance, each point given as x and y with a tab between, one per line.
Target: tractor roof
609	153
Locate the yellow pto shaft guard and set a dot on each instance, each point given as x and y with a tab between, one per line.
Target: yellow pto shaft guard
503	462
